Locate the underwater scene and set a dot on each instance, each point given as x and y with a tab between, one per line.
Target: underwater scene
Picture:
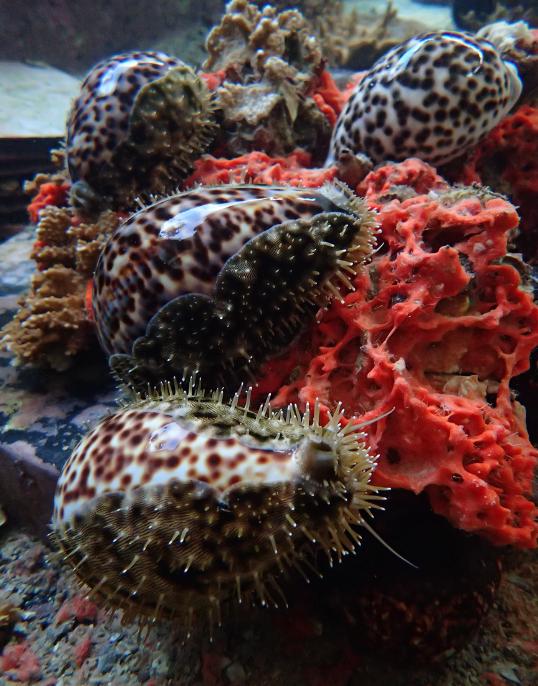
268	343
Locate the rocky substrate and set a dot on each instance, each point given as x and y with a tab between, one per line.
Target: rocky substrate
53	636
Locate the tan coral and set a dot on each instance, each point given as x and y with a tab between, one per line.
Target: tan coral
272	63
53	225
366	39
247	37
360	39
89	240
354	39
335	28
52	324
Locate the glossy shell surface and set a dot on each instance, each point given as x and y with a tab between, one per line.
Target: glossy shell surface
219	274
183	500
432	97
139	121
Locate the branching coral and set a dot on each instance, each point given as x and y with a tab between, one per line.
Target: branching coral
257	167
332	24
271	63
351	38
334	27
267	72
435	331
358	40
52	324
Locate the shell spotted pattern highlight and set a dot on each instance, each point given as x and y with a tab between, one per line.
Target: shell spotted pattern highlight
138	123
432	97
182	501
215	280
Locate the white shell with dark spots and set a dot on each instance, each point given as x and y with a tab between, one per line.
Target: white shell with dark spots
432	97
140	121
139	447
183	499
217	280
99	119
180	244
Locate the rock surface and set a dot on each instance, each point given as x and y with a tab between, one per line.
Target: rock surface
42	415
34	100
61	639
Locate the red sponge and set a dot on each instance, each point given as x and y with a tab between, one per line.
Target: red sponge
437	327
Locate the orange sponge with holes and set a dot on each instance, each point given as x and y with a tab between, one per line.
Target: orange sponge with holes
435	331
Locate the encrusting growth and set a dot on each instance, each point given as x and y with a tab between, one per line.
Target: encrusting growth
182	501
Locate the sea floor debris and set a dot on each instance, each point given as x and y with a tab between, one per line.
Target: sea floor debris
61	639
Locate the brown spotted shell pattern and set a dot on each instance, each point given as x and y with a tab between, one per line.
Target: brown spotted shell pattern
139	122
218	279
183	501
433	97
